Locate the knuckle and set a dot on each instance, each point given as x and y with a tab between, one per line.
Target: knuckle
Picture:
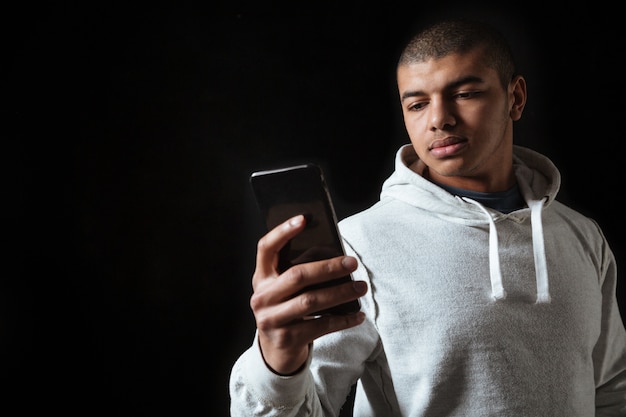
307	300
259	276
262	244
296	276
329	267
255	302
264	322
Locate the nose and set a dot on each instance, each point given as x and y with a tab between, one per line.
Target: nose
441	115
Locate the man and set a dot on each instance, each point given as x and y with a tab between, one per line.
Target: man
481	294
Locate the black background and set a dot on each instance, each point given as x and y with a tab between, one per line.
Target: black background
130	133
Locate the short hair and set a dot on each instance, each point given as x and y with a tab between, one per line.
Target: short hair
460	36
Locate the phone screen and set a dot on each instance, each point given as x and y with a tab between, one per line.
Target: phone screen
302	189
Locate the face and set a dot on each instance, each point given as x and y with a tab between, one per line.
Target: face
460	120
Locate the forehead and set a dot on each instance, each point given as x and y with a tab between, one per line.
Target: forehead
438	73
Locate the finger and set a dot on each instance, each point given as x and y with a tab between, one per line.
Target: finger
304	305
330	324
298	278
304	275
311	301
270	245
306	331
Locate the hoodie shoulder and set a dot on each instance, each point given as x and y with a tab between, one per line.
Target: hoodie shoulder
536	174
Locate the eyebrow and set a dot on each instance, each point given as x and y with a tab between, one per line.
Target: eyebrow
465	80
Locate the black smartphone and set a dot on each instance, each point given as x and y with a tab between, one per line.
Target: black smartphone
302	189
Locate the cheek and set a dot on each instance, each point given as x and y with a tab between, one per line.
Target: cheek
485	118
418	138
414	127
493	114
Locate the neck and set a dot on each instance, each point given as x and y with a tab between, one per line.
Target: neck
480	184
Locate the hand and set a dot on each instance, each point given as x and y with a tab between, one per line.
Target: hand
286	328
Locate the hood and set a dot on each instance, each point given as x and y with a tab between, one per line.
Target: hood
538	179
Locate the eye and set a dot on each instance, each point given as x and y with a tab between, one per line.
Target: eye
466	94
417	106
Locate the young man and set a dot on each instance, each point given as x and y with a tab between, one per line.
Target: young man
481	294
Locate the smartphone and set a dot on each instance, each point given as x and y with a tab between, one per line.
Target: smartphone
302	189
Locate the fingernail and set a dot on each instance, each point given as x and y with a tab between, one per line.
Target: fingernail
359	286
296	221
349	263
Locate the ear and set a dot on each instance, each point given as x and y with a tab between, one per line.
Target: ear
517	97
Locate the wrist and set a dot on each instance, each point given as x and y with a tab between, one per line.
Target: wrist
285	364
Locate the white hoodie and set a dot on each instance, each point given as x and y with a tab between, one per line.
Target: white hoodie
471	312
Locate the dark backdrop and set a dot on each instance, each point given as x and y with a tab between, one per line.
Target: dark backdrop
132	129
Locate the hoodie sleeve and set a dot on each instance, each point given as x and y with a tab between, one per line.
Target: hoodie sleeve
320	389
256	391
609	354
335	363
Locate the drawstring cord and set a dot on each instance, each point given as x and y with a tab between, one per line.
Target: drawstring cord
541	265
539	253
497	289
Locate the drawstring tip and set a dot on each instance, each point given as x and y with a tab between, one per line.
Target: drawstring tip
543	298
498	295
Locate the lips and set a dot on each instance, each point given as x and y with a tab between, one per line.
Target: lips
450	140
448	146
